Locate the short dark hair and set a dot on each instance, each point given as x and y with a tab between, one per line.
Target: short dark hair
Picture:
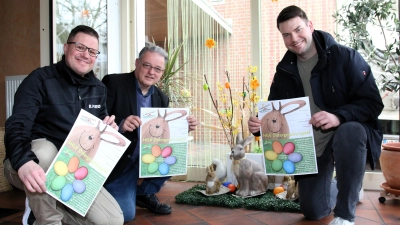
290	12
82	29
156	49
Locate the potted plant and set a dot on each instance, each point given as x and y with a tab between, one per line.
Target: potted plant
372	27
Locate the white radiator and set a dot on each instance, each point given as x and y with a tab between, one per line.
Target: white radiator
12	83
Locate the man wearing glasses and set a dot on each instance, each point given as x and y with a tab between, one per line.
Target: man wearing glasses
46	106
126	94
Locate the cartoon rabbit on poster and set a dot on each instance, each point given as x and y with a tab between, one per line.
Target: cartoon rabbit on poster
287	136
163	142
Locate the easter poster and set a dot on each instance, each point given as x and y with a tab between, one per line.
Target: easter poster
83	163
163	142
287	137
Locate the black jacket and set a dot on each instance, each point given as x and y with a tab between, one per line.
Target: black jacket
121	102
46	105
342	83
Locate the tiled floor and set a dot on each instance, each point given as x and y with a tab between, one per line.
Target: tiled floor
369	212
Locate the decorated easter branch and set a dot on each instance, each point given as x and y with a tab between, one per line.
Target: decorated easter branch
229	114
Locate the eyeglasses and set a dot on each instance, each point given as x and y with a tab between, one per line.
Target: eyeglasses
149	67
81	48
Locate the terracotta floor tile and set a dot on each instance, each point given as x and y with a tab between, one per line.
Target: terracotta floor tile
210	213
181	217
369	214
277	217
236	220
363	221
391	216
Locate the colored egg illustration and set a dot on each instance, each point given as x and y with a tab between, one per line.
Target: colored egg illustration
148	158
276	165
295	157
73	164
170	160
79	186
289	167
60	168
277	147
167	151
288	148
163	168
156	151
271	155
58	183
81	173
66	192
153	167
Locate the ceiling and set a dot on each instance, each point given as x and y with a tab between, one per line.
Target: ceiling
156	21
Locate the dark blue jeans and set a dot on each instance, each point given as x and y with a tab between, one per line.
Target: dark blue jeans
319	193
125	188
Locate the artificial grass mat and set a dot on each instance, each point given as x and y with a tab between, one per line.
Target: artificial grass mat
267	202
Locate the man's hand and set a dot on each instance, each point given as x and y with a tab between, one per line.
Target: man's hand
254	125
324	120
109	120
131	123
192	123
33	177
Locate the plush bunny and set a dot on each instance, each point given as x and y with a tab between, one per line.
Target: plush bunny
212	182
249	173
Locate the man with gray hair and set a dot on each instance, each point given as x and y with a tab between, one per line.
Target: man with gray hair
127	93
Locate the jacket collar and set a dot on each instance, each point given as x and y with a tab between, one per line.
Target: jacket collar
323	41
131	87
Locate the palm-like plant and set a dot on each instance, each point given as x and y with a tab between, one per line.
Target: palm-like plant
356	19
171	83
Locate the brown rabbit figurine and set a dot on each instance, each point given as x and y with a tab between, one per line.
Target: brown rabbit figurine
212	182
249	173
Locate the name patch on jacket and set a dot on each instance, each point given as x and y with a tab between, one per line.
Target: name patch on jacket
91	106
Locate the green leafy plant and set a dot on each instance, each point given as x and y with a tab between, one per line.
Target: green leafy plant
358	18
171	83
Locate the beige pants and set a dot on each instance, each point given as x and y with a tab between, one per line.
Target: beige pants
47	210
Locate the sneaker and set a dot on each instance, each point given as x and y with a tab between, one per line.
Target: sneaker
361	195
340	221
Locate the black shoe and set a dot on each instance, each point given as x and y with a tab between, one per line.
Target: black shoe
31	218
152	203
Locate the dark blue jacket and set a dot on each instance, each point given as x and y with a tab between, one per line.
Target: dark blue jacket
342	83
46	105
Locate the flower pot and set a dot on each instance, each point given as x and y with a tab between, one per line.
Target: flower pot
389	160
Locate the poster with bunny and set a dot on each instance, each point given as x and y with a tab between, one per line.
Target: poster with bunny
83	163
287	137
163	142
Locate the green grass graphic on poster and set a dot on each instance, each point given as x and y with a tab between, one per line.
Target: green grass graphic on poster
68	187
291	152
163	159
